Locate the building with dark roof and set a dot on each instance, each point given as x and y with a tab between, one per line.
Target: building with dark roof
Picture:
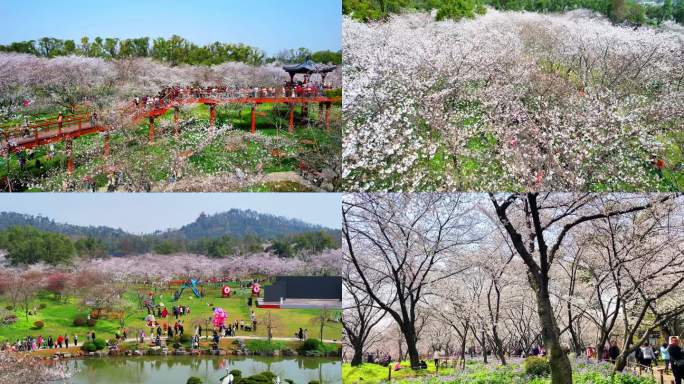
303	292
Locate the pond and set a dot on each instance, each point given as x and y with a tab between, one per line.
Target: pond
177	369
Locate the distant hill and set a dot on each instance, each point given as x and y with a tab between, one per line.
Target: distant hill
9	219
240	223
235	223
235	232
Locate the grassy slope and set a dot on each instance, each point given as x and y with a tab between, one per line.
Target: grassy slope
58	317
374	373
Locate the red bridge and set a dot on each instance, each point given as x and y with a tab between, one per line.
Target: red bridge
18	138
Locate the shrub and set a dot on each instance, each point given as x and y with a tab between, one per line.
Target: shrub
315	347
80	320
184	338
89	346
42	306
91	322
264	345
99	344
261	378
236	373
314	382
537	366
312	345
194	380
38	324
9	308
9	319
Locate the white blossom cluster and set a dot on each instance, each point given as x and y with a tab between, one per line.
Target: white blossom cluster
24	76
510	101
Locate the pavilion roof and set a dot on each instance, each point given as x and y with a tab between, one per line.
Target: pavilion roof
309	67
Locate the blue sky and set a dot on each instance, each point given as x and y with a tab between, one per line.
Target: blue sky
146	212
271	25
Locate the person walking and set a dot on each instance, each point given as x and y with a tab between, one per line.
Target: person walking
676	359
66	341
647	354
613	351
665	355
75	340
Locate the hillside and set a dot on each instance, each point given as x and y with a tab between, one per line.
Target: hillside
235	223
240	223
10	219
231	233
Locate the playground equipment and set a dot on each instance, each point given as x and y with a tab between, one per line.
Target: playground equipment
225	291
192	283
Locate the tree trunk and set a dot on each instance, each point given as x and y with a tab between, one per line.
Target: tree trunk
620	362
463	351
358	356
561	370
411	347
500	353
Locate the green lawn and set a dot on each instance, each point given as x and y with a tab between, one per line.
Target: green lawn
58	316
374	373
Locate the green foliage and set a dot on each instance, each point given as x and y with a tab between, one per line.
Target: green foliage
264	346
261	378
28	245
174	50
309	242
90	247
537	366
236	373
99	344
618	10
294	56
315	345
89	346
38	324
194	380
184	338
367	10
458	9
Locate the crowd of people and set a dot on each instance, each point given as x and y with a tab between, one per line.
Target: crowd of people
647	356
31	343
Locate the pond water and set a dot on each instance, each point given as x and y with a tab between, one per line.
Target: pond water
177	369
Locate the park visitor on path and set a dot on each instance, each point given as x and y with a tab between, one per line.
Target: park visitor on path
676	359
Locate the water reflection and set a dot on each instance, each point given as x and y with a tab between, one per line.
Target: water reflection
176	369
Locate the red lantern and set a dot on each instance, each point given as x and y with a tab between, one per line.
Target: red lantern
256	288
225	291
